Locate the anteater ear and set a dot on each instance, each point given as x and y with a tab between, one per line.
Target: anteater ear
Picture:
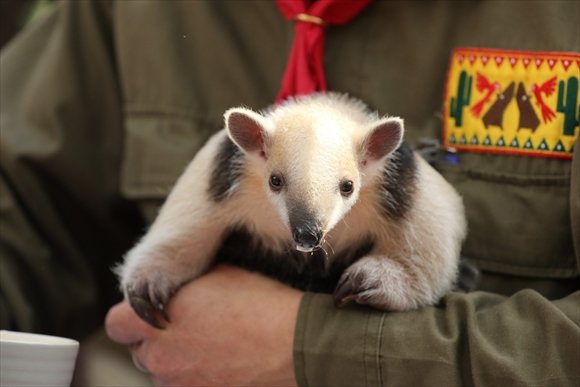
383	138
247	129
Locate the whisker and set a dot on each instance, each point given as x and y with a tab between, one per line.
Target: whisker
330	246
346	224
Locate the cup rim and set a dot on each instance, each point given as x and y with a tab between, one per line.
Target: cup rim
26	338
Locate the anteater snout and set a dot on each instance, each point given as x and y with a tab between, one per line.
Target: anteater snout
307	237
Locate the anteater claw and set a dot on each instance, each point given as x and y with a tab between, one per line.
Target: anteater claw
342	291
350	288
347	289
154	315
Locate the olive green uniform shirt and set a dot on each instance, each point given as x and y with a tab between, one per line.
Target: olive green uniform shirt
104	103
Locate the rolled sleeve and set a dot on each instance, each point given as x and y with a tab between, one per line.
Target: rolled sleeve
470	339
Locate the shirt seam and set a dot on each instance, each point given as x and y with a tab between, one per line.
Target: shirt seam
300	339
366	350
379	349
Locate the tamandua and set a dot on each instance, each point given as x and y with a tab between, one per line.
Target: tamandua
319	192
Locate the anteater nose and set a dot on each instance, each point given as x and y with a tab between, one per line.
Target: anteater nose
307	238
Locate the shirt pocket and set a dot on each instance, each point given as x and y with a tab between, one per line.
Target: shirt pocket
518	221
158	147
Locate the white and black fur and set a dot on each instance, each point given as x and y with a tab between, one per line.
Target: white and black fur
318	192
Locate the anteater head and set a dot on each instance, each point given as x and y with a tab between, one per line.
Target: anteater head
316	154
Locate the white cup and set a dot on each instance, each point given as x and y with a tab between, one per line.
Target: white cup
29	359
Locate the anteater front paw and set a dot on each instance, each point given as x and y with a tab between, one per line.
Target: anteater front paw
378	282
148	291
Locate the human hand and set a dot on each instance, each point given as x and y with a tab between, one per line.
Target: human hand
228	327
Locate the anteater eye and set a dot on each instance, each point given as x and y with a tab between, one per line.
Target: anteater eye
346	188
276	182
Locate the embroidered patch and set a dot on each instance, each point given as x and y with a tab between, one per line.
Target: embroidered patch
513	102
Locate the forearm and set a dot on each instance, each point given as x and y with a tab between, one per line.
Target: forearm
473	339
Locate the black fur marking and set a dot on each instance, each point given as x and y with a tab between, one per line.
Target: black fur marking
468	277
399	182
227	170
304	271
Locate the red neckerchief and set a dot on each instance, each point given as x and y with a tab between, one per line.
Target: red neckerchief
305	71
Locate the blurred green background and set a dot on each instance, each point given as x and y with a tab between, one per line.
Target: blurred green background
14	14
